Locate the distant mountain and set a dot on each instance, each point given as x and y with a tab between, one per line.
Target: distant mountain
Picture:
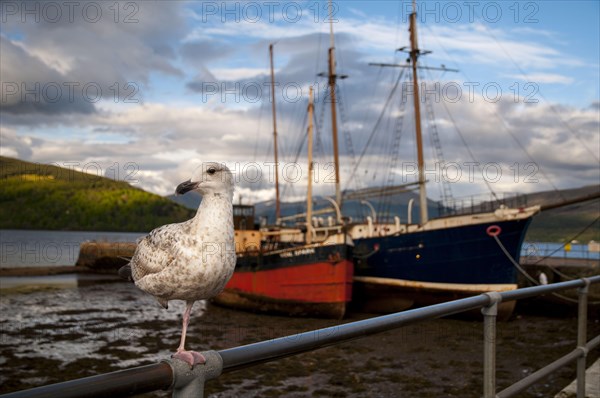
386	207
390	205
38	196
565	223
191	200
559	224
551	197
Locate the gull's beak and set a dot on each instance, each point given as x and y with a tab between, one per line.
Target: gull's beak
186	187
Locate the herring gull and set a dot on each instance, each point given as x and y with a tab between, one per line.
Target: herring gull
192	260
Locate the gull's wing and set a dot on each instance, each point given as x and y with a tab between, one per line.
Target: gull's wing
155	252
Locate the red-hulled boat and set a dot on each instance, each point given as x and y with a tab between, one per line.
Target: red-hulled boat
306	271
278	272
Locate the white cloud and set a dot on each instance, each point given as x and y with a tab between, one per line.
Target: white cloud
13	144
544	78
165	136
75	54
236	74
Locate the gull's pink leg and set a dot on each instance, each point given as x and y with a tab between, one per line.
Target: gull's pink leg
186	321
191	357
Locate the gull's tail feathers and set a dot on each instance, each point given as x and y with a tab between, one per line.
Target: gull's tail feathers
125	272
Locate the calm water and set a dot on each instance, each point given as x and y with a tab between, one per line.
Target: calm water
19	248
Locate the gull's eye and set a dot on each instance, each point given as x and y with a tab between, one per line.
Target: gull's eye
211	171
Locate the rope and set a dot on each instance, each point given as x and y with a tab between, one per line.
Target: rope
529	277
375	128
557	272
365	256
569	240
468	148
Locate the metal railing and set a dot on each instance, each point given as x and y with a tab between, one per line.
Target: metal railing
481	203
536	251
186	382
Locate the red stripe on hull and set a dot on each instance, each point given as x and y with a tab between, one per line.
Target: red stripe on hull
323	282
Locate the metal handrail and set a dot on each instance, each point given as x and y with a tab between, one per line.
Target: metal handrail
164	375
122	383
533	378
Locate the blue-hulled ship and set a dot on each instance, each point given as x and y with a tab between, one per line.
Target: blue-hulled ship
398	266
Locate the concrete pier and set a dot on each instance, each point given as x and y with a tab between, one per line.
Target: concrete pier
592	384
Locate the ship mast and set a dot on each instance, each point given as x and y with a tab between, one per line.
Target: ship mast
414	55
309	228
331	82
277	203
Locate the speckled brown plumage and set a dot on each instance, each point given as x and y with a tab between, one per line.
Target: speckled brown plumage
192	260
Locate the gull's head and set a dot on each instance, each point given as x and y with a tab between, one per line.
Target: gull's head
209	178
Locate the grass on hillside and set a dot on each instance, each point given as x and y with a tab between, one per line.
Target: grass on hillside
571	222
35	196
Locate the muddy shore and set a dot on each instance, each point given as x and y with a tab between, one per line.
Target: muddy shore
47	271
55	335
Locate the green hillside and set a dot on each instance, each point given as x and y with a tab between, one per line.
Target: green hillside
563	224
38	196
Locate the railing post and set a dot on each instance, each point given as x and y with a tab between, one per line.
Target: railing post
189	382
490	313
582	336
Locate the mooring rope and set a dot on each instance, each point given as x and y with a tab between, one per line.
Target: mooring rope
556	271
569	240
529	277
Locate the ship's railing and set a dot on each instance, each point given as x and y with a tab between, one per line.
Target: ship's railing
481	203
176	375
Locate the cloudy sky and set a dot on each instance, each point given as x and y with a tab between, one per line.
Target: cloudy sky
144	91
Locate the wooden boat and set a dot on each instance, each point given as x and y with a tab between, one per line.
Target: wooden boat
403	265
423	266
303	271
299	280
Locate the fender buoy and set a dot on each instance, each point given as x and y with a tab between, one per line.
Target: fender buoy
493	230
